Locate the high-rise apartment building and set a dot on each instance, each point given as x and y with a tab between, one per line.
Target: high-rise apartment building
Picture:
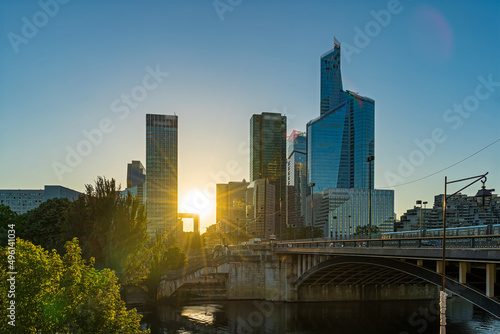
342	137
296	178
268	159
161	178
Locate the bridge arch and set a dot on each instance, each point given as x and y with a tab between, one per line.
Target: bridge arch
359	270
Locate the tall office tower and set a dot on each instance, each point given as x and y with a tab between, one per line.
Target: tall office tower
341	139
231	207
136	180
268	159
296	179
260	208
136	174
331	79
161	178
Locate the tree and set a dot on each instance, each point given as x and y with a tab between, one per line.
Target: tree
190	242
161	259
302	232
45	224
8	217
62	294
363	230
112	229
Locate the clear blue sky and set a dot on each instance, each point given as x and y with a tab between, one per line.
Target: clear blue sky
61	74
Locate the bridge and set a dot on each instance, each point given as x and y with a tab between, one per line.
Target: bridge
361	269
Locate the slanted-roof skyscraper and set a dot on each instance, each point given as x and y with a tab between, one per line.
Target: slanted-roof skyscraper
161	178
268	159
339	143
331	79
342	137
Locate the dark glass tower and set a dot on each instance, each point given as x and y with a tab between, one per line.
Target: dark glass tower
342	137
296	179
136	174
268	159
161	178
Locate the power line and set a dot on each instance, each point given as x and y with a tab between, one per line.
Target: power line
439	171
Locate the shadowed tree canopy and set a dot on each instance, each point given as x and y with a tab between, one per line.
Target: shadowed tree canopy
8	217
363	230
163	258
45	224
112	229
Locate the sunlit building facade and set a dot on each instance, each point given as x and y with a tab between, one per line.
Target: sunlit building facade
260	206
268	159
339	211
231	206
162	172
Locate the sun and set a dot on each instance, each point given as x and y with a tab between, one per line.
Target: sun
195	201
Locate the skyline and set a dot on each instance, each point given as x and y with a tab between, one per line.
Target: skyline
419	65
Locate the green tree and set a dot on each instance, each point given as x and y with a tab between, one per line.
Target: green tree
45	225
302	232
163	258
363	230
8	217
112	229
62	294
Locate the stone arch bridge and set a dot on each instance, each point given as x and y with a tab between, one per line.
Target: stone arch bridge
342	270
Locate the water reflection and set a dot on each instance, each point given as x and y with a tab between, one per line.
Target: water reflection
400	317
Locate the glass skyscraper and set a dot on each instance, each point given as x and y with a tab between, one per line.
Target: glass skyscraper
136	180
339	142
161	177
342	137
296	178
268	159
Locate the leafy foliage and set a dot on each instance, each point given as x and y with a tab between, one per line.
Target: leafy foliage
112	229
8	217
363	230
45	224
302	232
163	258
65	295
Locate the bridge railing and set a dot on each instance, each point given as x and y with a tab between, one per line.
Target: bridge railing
483	241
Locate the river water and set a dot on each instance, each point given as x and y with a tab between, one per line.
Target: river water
245	317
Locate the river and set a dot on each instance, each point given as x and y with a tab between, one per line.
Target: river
387	317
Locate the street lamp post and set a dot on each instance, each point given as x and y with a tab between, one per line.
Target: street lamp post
350	235
425	218
420	202
312	210
238	231
481	193
336	227
369	160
